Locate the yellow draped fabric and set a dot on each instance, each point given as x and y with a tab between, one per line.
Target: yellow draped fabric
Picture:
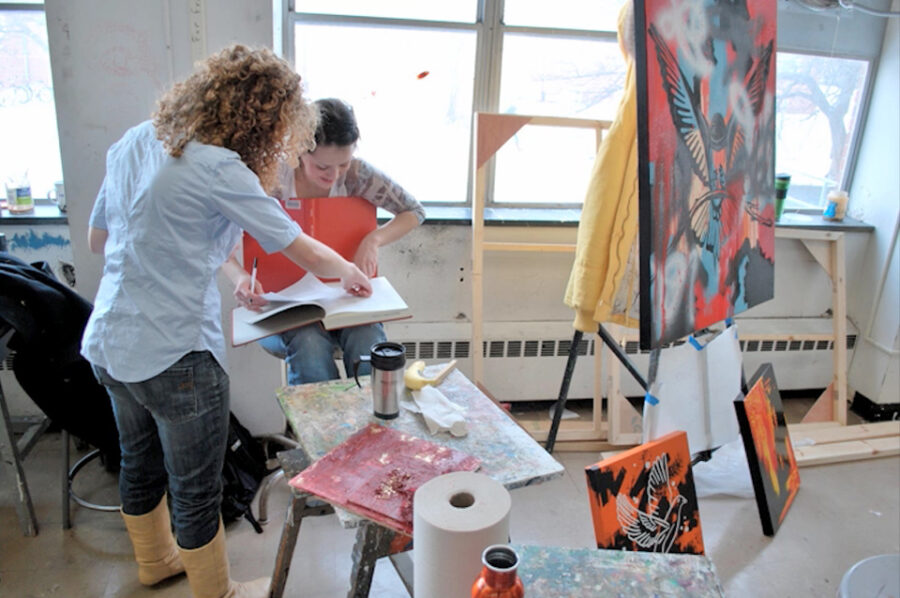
604	280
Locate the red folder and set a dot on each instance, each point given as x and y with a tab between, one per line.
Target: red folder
339	222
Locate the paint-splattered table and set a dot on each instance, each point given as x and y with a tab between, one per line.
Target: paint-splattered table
325	414
579	572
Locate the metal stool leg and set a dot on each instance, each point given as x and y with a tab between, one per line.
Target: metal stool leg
272	479
66	511
264	496
69	474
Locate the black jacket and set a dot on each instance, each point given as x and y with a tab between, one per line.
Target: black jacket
49	318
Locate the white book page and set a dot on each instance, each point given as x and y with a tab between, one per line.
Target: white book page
308	288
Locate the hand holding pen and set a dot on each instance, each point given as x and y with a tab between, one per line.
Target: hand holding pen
251	297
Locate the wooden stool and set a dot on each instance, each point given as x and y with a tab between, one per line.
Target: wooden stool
372	540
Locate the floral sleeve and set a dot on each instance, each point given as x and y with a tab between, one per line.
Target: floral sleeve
366	181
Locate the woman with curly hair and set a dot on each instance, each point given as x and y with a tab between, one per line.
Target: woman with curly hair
177	193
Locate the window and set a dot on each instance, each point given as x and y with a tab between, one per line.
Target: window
818	101
411	89
415	71
30	147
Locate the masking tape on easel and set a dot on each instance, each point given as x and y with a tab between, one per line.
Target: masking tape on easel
455	517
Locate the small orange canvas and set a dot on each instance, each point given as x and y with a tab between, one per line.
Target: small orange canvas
339	222
644	498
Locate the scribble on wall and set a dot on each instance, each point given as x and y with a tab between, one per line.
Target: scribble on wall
31	241
706	124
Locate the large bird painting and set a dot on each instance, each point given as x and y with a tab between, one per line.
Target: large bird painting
644	499
706	128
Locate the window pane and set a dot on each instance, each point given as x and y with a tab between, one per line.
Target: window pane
555	77
414	108
545	165
817	109
27	112
561	77
461	11
598	15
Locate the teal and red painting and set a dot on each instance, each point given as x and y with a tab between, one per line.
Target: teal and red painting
706	148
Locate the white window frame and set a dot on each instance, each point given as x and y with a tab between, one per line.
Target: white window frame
490	30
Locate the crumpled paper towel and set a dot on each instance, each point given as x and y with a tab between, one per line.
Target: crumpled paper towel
440	413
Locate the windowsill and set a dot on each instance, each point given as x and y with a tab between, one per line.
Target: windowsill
462	215
49	213
451	215
44	212
812	219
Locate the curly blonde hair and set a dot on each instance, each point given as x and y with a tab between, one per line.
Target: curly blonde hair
244	99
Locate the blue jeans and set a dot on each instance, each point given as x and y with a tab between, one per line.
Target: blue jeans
309	350
173	429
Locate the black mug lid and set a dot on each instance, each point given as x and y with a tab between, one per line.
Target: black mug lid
388	355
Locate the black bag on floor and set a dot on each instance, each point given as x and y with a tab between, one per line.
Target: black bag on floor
242	474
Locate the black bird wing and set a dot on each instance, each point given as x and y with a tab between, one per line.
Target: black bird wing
684	105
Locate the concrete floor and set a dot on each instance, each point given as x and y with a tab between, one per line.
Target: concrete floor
842	514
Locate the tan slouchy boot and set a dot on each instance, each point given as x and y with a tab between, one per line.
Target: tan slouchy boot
154	546
208	574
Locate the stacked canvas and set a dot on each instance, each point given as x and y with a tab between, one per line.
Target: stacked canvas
773	467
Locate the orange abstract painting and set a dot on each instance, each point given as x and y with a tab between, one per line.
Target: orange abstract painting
773	467
644	498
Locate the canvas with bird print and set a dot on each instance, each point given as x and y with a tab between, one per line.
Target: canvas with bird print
644	498
706	147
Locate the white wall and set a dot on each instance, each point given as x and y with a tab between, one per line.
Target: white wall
875	198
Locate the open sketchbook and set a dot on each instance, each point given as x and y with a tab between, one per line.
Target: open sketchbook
310	300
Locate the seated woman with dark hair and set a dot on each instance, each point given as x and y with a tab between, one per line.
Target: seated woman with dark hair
331	170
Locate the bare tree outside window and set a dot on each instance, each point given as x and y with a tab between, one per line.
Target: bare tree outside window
817	109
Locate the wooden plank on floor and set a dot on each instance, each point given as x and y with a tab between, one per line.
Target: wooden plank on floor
800	428
845	433
852	450
568	430
584	446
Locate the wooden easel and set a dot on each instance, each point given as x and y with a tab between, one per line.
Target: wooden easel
491	132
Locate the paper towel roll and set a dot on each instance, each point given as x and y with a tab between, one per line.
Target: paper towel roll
455	517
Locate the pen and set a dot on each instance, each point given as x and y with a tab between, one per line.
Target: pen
253	277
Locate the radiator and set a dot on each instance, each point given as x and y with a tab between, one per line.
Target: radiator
525	361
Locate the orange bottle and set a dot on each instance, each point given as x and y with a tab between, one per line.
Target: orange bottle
498	577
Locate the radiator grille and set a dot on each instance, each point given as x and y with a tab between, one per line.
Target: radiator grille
501	349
